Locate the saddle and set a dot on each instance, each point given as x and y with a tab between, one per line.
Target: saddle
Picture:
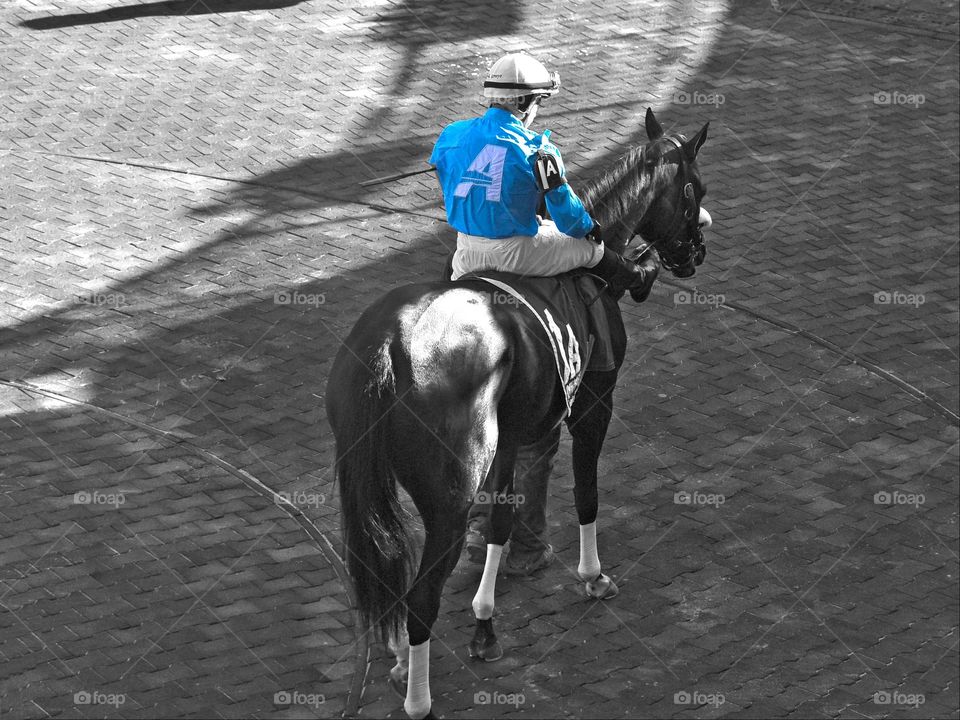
571	312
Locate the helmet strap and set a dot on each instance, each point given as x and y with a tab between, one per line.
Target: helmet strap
525	102
528	105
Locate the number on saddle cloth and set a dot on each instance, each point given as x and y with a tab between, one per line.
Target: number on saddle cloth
549	175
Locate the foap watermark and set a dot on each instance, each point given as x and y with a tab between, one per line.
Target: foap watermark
95	697
503	498
98	497
287	698
698	498
895	97
885	697
300	498
102	299
898	298
292	297
697	697
896	497
696	97
695	297
484	697
503	298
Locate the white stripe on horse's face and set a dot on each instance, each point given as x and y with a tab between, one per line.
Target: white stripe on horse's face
705	219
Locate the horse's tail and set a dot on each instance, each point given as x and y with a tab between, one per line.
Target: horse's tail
378	548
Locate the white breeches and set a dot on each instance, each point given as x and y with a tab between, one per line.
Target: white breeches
549	252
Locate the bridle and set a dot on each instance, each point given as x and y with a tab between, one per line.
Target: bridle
685	221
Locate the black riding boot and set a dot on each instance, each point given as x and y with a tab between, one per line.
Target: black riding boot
620	274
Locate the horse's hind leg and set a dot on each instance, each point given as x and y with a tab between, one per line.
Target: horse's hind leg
441	550
588	425
400	647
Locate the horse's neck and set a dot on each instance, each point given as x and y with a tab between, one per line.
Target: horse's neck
618	198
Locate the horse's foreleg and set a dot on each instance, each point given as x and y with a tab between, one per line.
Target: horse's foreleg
596	584
588	425
485	645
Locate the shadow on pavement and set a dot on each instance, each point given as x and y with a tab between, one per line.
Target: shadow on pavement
249	376
154	9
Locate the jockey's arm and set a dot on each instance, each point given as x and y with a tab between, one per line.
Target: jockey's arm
568	212
566	209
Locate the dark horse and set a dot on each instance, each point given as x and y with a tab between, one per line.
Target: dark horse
439	385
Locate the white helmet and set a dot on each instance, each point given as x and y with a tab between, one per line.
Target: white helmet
518	74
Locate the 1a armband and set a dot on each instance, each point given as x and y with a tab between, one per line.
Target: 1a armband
547	170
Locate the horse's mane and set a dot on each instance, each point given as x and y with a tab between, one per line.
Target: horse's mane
611	197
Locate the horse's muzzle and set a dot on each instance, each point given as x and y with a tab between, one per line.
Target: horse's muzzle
690	267
704	220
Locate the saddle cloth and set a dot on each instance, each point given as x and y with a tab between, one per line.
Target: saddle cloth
572	317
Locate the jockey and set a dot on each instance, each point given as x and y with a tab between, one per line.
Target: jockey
493	171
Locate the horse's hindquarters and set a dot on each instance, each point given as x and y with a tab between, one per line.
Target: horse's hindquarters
452	360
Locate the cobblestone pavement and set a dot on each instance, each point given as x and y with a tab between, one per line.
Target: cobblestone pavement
183	241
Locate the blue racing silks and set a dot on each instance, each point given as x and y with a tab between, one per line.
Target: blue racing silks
486	171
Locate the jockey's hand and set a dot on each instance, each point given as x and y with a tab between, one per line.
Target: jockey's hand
651	267
596	233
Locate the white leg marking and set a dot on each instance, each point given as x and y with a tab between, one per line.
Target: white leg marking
589	568
483	601
418	701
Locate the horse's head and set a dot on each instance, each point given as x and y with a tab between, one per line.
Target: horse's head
674	219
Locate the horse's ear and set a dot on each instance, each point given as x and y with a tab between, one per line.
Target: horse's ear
654	129
692	146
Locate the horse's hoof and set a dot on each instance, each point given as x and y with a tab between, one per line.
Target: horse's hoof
428	716
603	588
487	651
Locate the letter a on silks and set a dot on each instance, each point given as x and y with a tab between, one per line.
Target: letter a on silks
486	170
548	172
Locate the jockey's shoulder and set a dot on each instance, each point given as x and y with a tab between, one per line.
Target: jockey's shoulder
543	142
517	135
457	127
